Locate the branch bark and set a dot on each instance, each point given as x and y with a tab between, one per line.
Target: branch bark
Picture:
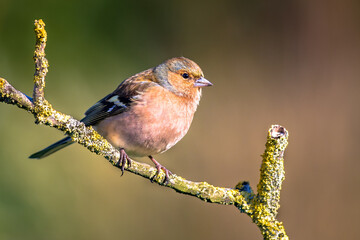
261	207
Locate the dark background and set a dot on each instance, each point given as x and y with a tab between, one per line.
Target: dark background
294	63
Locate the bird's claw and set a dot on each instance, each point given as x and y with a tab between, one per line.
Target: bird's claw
124	158
160	167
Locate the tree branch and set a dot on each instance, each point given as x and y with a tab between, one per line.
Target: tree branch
41	63
261	207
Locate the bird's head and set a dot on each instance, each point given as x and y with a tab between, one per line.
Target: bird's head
181	76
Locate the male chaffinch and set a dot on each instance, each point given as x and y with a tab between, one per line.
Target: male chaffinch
147	113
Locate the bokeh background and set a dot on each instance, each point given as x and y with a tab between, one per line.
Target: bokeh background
294	63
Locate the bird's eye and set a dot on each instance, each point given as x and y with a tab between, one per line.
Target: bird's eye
185	75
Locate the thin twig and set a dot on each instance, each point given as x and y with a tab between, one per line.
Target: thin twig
41	63
12	96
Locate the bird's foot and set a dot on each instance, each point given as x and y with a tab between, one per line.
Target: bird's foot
124	158
160	167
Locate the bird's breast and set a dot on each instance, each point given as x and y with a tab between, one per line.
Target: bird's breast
153	124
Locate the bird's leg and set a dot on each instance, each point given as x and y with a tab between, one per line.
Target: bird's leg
124	158
159	167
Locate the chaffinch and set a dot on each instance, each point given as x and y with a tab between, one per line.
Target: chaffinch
147	113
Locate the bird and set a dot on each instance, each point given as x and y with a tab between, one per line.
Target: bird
147	113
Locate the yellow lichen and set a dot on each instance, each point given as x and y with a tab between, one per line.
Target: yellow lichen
2	82
40	32
43	109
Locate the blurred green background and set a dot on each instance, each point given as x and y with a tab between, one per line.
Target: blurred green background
294	63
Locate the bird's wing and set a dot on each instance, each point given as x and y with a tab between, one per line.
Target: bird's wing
121	99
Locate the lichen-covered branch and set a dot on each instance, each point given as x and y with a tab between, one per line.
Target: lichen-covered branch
272	174
261	207
272	169
41	63
9	95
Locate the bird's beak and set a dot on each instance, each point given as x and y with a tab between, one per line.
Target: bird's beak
202	82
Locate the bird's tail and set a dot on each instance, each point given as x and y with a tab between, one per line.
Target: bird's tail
53	148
